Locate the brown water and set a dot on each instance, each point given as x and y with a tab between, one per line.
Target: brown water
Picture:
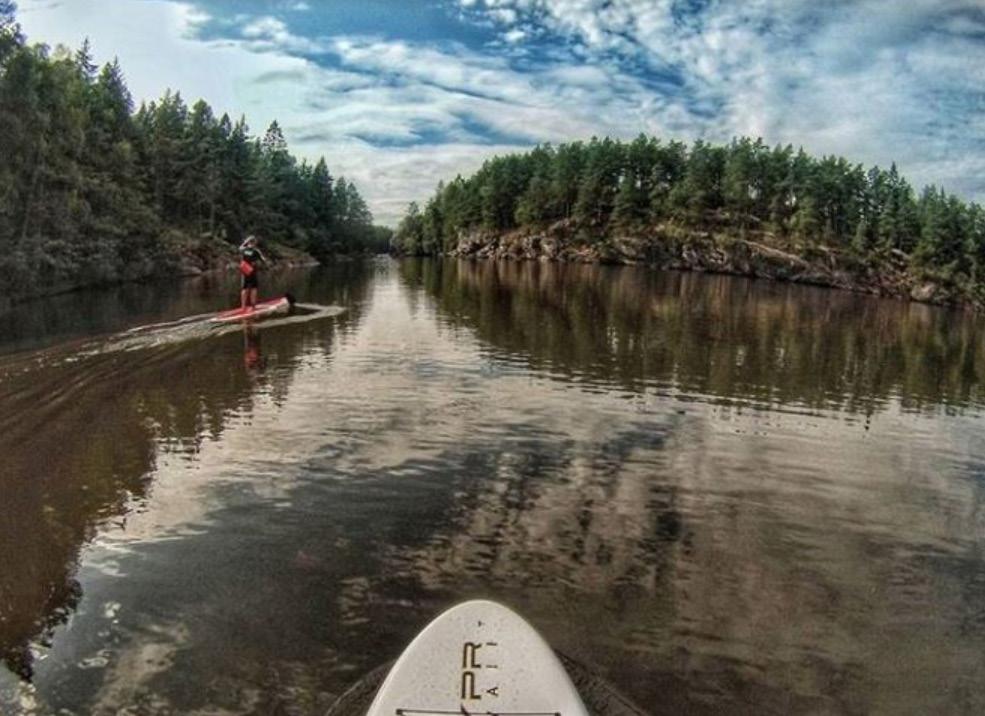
727	496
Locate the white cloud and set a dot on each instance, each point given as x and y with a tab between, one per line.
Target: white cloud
272	34
390	178
265	27
505	15
860	79
515	35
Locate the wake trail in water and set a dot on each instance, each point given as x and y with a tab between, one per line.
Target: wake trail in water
41	383
158	335
198	327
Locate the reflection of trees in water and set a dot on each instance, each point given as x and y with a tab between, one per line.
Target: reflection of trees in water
721	336
79	442
729	561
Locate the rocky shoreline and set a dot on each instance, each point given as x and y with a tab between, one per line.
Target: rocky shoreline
182	257
674	248
197	257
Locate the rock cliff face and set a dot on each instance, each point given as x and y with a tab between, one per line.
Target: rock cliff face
687	250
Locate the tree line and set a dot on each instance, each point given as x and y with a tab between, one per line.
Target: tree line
605	187
95	190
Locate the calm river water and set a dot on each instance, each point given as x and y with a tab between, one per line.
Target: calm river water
724	495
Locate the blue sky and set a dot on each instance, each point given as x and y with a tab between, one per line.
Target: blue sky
397	94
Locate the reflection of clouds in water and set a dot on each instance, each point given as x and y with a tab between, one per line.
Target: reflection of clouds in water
21	695
129	673
768	550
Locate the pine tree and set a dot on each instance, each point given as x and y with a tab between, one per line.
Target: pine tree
641	158
84	61
168	156
806	222
204	171
432	236
323	209
631	204
454	212
359	214
739	181
340	207
270	185
778	203
668	172
700	191
599	183
238	168
535	205
566	171
113	103
409	236
933	232
497	200
11	37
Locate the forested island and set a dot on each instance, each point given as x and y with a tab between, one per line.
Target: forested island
745	208
96	191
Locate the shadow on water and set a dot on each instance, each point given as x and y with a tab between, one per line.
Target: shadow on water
83	424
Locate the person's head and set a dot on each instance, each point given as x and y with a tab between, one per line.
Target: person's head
251	240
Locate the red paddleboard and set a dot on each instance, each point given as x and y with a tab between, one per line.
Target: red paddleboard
263	309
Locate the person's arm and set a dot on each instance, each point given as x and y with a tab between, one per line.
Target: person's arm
262	257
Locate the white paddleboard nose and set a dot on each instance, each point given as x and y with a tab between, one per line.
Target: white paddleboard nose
478	658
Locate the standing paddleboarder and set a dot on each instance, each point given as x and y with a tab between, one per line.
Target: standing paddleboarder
250	258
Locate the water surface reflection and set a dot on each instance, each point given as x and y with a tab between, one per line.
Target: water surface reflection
726	495
738	339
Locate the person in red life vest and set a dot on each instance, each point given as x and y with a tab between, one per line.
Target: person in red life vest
249	266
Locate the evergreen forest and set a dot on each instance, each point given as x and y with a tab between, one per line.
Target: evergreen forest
603	189
95	190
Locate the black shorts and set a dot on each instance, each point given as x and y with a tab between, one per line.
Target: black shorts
250	281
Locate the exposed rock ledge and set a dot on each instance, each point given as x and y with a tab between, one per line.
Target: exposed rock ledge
671	247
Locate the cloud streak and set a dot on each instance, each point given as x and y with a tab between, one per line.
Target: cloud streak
869	80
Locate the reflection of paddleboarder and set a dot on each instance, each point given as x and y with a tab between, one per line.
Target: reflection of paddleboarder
251	256
251	347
